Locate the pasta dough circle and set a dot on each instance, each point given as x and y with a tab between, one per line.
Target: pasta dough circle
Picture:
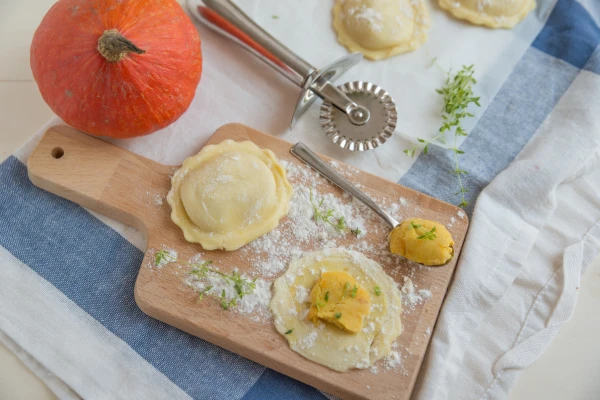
228	195
325	343
381	28
490	13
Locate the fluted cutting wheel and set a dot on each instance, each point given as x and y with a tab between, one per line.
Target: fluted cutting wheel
375	132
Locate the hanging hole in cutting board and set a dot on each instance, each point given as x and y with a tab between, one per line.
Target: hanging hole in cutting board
57	152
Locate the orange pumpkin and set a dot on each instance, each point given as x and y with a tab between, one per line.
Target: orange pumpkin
117	68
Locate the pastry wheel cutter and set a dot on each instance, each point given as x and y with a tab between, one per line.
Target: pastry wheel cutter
356	116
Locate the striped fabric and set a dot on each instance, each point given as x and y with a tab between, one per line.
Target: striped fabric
66	286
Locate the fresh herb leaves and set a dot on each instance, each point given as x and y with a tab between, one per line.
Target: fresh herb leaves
458	96
326	215
415	226
241	285
377	291
225	304
346	286
338	315
204	291
428	235
163	257
326	296
289	331
354	291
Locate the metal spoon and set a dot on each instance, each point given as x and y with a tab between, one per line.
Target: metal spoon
306	155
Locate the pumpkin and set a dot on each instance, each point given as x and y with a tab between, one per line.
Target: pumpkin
117	68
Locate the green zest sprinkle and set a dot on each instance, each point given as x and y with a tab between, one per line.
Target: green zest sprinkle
428	235
326	216
289	331
201	270
458	95
327	296
377	291
338	315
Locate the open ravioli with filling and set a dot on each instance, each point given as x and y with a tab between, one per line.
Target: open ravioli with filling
229	194
490	13
381	28
338	308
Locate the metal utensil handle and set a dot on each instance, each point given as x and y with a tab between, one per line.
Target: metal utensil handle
226	18
305	154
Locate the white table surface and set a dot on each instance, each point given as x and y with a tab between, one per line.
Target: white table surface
568	370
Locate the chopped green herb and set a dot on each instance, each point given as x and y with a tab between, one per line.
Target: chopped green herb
337	315
377	291
289	331
224	302
415	226
163	257
275	16
428	235
319	305
326	216
241	285
346	286
327	296
201	293
354	291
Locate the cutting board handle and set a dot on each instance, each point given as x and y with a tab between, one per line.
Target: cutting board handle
97	175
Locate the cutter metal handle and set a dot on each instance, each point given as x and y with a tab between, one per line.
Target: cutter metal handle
226	18
301	151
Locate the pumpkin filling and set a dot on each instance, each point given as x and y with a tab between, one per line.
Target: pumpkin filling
337	298
423	241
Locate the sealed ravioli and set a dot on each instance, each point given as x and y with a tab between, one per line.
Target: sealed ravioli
228	195
490	13
381	28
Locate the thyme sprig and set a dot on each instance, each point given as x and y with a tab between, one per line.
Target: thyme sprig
458	95
326	215
241	285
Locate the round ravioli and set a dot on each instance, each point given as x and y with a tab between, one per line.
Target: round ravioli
381	28
338	308
228	195
490	13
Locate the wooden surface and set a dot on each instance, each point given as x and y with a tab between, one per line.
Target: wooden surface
126	187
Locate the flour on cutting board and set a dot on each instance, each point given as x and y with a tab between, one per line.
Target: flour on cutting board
300	232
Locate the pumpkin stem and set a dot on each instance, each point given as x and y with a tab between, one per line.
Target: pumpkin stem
114	47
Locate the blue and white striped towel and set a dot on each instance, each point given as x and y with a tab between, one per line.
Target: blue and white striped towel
67	275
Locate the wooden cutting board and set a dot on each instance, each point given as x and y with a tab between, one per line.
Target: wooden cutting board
130	189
